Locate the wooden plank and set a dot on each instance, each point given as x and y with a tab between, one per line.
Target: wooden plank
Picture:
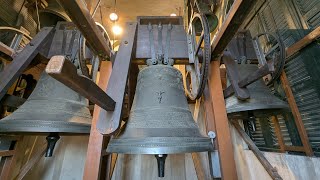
6	165
309	38
10	74
294	148
65	72
6	49
227	162
268	167
109	122
236	15
278	133
35	159
200	170
81	17
5	153
296	114
96	144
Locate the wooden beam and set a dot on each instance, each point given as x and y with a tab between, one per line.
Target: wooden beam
10	74
96	140
7	164
226	154
234	18
296	114
26	168
6	49
5	153
264	162
81	17
110	121
294	148
65	72
278	133
309	38
200	170
6	167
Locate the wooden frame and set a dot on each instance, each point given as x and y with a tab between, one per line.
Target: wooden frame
8	159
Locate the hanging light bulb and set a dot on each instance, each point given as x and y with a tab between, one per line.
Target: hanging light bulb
113	17
116	30
173	14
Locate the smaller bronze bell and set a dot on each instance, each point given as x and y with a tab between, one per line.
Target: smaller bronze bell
262	103
51	109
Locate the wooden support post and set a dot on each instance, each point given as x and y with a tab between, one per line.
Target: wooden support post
8	160
296	114
227	162
200	170
96	140
110	121
26	168
278	133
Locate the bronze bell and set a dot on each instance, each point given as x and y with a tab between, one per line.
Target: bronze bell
53	109
160	121
52	14
262	103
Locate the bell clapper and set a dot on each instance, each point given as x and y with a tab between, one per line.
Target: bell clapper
161	159
52	139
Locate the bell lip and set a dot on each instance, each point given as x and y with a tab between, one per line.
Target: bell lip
43	133
261	108
160	150
160	145
7	128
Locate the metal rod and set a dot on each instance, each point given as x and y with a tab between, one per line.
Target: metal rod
265	163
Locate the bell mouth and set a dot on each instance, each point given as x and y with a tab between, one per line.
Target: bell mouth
256	112
160	145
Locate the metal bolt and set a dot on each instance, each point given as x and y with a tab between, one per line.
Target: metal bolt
211	134
125	42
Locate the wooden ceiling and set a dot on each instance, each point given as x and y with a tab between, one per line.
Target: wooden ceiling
128	10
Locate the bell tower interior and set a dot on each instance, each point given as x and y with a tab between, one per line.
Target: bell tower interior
157	89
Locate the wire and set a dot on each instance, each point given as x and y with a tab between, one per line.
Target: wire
38	19
16	30
96	8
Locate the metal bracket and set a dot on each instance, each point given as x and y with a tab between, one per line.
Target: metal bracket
214	161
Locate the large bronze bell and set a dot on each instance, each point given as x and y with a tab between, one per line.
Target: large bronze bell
52	109
160	121
262	103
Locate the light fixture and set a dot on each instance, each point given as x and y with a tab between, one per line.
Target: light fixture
113	17
173	14
116	30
